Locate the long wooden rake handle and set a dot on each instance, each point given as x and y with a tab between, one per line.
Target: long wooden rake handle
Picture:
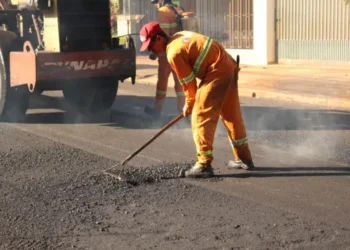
132	155
163	129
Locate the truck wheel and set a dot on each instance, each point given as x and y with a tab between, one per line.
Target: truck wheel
14	101
91	96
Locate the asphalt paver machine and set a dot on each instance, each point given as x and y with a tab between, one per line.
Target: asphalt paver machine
61	45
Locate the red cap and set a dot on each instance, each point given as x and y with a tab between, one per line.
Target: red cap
147	32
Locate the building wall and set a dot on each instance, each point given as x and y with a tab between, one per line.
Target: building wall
251	34
313	31
263	51
223	20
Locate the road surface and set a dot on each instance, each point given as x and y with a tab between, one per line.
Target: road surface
55	195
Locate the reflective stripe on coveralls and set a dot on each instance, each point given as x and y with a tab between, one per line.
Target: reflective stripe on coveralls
168	25
160	92
198	63
187	79
167	19
202	55
239	142
192	56
209	152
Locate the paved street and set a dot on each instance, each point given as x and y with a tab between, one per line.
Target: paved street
55	195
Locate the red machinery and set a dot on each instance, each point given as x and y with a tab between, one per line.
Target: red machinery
61	45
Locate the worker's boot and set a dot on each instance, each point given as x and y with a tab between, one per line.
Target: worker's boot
152	112
200	172
241	165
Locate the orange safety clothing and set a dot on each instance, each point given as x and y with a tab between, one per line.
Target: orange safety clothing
192	55
167	21
164	71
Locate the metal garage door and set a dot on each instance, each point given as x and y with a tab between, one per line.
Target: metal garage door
312	30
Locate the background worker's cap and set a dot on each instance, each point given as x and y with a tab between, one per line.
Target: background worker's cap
147	32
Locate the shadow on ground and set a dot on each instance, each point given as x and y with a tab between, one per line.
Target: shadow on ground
127	113
266	172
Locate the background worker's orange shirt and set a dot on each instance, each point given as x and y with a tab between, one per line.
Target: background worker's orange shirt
193	55
167	19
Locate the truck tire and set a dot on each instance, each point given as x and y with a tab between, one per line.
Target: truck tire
14	101
91	96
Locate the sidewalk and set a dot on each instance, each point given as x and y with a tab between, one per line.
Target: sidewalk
322	86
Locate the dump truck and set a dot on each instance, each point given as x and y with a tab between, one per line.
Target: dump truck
61	45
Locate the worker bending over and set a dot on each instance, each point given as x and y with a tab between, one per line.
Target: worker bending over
192	55
167	20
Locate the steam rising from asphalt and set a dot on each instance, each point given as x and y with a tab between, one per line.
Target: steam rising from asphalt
312	133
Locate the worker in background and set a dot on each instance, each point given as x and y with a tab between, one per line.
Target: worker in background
167	20
192	55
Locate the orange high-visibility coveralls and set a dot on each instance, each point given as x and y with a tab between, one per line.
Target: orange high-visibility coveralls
192	56
167	21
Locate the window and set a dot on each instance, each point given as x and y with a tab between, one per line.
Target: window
230	22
